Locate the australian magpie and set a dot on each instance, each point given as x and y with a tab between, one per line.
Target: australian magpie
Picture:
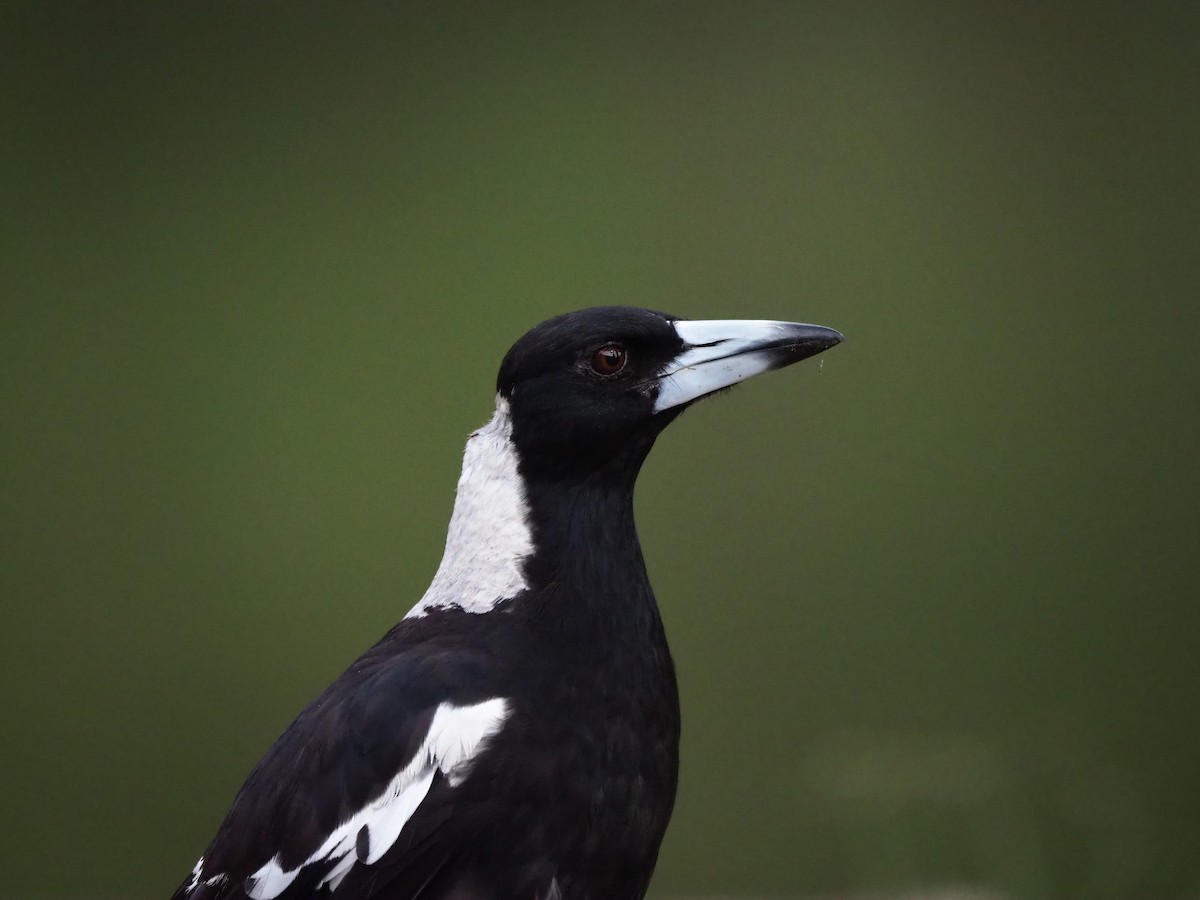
516	736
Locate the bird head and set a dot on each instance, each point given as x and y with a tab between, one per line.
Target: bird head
589	391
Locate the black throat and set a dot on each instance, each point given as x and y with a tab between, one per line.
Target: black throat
587	578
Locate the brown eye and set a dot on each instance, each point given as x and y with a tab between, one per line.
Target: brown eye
609	360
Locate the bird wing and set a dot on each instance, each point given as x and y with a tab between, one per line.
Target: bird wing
394	735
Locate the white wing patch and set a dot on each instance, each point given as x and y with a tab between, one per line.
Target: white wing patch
489	534
454	739
194	881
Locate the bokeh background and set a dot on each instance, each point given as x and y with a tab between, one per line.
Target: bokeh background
932	598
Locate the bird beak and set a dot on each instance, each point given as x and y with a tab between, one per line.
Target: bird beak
720	353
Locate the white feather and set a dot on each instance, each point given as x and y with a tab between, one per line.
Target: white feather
335	875
195	876
454	739
489	534
194	880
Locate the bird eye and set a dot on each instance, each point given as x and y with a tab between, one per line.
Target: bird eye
609	360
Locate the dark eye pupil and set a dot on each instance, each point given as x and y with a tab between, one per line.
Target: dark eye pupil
609	359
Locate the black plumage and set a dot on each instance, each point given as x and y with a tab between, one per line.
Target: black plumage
517	734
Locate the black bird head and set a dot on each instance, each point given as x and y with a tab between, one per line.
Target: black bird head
589	391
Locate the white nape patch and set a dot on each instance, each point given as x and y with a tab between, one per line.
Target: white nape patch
489	534
720	353
454	739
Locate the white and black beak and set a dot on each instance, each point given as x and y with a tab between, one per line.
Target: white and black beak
719	353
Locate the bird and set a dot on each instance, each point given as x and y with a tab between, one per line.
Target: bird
516	735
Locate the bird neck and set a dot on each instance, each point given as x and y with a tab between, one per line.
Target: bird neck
587	572
490	533
561	546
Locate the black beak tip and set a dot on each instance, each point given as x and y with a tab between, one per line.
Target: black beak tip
813	340
834	338
830	337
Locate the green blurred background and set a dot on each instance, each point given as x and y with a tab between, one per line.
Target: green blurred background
931	599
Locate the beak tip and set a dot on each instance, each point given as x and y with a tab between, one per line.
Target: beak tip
831	337
813	339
